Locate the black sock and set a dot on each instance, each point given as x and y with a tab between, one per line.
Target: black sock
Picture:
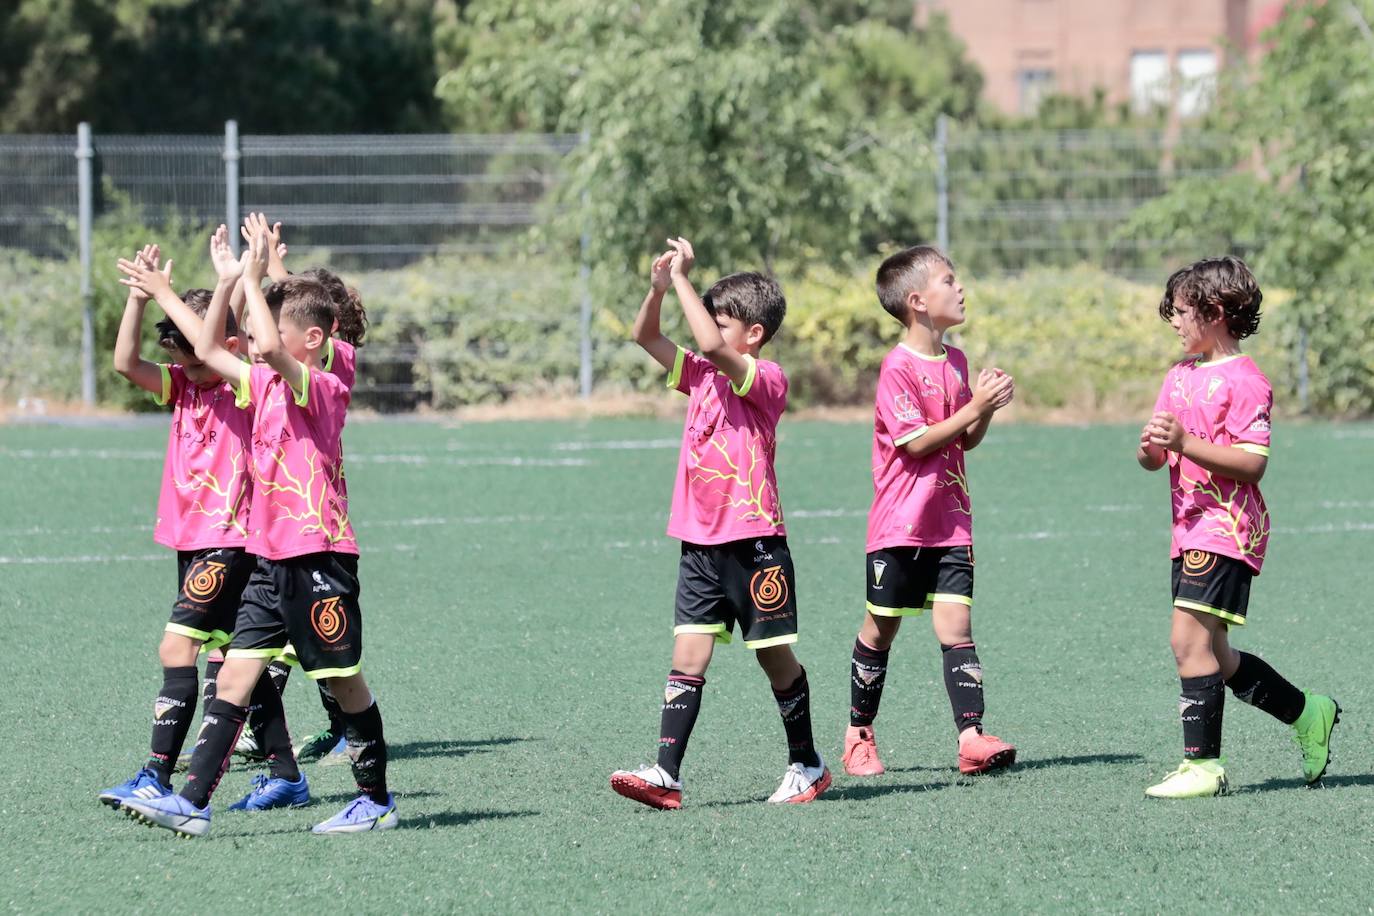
267	718
1256	683
964	684
279	672
867	672
331	706
367	750
223	723
207	692
1200	707
794	704
681	703
173	713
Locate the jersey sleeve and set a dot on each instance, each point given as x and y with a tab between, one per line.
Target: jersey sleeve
1247	414
687	370
765	386
1162	402
324	394
898	405
173	383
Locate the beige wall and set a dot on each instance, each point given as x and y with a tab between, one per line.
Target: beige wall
1089	43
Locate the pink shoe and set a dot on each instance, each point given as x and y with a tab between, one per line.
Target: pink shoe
980	753
861	752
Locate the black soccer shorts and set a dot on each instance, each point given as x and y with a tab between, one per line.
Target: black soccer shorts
305	609
209	591
749	582
1212	584
904	581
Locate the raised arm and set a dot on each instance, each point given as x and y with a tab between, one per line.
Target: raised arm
128	361
705	331
1166	432
256	224
265	333
647	332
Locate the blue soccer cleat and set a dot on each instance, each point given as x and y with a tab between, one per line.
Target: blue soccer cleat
144	785
171	812
361	815
274	792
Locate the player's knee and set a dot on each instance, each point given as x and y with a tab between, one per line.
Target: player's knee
177	651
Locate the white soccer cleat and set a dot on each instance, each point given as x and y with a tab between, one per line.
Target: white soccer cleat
801	784
650	785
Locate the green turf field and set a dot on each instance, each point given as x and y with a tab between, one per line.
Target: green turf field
518	592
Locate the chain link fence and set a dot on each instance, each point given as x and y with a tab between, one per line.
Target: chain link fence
439	216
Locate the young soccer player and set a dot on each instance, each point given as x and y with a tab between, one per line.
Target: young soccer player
202	511
283	785
305	587
735	565
1211	426
920	526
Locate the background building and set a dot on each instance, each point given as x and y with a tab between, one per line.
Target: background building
1147	52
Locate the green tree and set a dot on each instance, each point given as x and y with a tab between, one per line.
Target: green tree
1300	203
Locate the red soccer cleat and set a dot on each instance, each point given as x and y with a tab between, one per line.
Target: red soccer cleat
980	753
650	786
861	752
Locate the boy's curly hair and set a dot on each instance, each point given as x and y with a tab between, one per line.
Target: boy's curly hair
750	297
1216	287
198	301
348	305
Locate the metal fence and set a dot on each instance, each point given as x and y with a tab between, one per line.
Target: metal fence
999	201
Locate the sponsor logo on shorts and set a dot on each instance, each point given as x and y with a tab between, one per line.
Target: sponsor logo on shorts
328	621
320	585
879	567
761	553
1198	562
768	588
204	580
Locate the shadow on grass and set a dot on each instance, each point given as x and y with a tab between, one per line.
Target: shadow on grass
410	750
1326	782
1081	760
878	789
339	798
457	818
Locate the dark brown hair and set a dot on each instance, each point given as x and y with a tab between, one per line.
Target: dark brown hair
304	301
750	297
348	305
1216	287
198	301
907	270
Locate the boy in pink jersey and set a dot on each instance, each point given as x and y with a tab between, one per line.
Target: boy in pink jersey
920	527
305	588
202	514
735	565
1211	427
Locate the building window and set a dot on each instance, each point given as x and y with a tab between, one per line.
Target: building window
1149	80
1033	85
1197	81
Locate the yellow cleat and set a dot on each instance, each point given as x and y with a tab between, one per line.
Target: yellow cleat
1192	779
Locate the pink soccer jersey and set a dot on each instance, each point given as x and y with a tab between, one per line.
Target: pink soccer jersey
299	503
1225	402
206	477
341	358
726	488
919	502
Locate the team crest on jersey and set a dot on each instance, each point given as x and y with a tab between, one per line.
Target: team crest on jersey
1213	384
905	410
879	567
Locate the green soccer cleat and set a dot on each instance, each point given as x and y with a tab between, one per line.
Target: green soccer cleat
1192	779
322	746
1312	733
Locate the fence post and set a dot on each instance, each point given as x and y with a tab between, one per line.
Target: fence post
231	182
1304	399
584	274
942	183
85	204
